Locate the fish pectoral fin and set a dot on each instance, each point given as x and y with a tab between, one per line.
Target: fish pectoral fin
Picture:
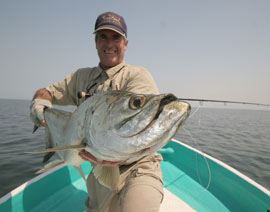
56	149
79	169
107	176
50	166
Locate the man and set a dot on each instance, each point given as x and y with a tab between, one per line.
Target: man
140	187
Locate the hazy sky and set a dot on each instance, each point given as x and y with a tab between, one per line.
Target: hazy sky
209	49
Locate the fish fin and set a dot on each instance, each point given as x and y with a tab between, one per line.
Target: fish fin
47	156
50	166
107	176
56	122
35	129
79	169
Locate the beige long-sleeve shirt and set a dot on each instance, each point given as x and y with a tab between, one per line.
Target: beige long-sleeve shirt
121	77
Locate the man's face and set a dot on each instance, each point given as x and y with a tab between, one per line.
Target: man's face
111	48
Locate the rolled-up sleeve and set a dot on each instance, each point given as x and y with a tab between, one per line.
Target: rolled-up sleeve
64	91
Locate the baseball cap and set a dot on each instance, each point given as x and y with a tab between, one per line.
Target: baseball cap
112	21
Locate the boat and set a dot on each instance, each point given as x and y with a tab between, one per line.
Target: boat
193	181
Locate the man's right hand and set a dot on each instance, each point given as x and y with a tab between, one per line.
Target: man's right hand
41	100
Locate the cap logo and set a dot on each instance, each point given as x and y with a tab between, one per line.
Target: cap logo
109	18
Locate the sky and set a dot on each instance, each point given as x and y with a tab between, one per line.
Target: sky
208	49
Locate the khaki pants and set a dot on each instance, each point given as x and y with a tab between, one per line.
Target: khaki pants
140	189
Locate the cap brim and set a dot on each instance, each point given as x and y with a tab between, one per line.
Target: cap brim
109	28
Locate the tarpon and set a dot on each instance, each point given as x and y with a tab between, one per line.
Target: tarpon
115	126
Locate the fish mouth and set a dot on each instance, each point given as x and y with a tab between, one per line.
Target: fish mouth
164	101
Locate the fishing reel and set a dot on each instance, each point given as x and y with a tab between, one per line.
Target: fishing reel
83	95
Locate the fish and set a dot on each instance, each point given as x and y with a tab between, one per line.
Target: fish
119	127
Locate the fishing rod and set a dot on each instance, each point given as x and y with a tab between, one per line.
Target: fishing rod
223	101
86	95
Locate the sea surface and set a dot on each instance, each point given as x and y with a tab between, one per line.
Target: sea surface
238	137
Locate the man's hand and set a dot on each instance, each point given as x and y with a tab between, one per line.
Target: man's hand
37	111
41	100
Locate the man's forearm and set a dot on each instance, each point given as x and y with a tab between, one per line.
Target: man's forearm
43	94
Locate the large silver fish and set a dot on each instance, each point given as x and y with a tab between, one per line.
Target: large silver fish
115	126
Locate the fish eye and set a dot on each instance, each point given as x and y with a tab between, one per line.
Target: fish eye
137	101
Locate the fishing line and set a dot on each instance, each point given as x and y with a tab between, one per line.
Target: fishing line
193	113
198	119
207	164
199	148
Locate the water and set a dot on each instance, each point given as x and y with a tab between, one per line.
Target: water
240	138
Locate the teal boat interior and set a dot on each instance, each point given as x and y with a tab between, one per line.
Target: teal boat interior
199	180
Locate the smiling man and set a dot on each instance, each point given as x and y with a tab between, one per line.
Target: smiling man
111	48
141	186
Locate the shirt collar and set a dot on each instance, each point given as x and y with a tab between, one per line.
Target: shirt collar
112	71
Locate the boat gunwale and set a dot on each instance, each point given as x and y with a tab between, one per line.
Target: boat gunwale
226	166
20	188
